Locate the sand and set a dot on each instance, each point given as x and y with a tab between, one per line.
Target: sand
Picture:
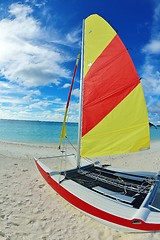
30	209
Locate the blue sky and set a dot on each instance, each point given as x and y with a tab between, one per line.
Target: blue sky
39	42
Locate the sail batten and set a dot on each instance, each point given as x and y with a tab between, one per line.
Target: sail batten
112	122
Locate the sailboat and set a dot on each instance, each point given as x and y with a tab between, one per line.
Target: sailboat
113	119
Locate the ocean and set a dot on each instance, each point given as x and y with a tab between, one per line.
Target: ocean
45	132
35	131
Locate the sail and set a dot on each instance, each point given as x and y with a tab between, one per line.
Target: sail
63	132
114	113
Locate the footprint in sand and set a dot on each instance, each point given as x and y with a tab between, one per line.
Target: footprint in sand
2	216
13	223
2	234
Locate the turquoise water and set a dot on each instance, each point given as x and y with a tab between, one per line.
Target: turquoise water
35	131
155	133
44	132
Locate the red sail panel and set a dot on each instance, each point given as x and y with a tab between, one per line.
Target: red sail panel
109	80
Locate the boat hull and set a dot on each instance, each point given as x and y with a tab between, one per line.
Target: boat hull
111	220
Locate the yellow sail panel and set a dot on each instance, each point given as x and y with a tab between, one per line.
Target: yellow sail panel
97	35
123	130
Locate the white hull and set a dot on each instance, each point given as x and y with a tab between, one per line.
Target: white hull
112	212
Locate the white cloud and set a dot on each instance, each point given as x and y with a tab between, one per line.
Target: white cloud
20	11
152	47
37	3
39	105
151	80
66	85
26	57
73	36
156	15
10	89
150	70
75	92
24	108
32	56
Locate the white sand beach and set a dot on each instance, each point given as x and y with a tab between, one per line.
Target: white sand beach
31	210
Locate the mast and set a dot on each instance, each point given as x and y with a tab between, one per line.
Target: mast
80	101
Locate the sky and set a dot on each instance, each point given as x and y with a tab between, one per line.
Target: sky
39	42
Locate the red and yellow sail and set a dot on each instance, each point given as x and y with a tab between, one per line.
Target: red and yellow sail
63	132
114	114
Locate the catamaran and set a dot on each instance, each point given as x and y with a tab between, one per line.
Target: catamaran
113	119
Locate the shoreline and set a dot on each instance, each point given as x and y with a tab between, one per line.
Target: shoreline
50	144
36	144
31	210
